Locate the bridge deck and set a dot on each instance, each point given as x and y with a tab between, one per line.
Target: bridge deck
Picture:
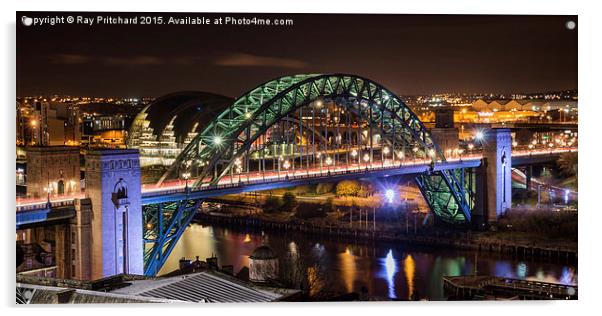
244	183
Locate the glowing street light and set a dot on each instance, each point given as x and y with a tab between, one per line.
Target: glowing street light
186	176
386	150
354	153
366	157
390	194
470	146
328	161
286	165
217	140
479	135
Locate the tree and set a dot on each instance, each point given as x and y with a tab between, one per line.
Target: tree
289	202
307	271
568	164
348	188
272	204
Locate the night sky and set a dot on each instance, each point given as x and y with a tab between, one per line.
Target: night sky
410	54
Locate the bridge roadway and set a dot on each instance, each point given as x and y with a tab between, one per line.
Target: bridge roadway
30	211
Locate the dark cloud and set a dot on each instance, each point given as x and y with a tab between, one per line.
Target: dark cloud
248	60
139	60
70	59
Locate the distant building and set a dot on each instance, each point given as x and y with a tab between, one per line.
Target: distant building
163	128
44	123
53	170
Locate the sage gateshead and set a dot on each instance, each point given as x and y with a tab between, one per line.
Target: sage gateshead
162	129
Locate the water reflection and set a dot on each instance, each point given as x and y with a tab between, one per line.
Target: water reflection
350	267
521	270
389	266
410	269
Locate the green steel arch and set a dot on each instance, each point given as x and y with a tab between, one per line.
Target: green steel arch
231	134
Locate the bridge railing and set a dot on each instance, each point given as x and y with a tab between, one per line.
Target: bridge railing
37	206
293	175
30	204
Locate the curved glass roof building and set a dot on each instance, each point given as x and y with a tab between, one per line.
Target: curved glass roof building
163	128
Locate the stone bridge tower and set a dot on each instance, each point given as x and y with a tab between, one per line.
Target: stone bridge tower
494	177
113	186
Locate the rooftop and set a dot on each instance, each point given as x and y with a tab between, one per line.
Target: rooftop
202	287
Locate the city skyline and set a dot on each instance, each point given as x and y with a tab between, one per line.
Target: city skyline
412	54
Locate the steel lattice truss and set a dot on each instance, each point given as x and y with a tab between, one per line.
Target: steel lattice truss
164	224
230	137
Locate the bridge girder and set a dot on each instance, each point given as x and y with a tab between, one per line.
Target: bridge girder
232	133
230	136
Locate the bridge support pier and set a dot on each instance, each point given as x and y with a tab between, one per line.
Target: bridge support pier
529	175
114	189
81	240
494	177
62	251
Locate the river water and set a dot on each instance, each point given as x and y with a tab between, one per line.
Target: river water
387	271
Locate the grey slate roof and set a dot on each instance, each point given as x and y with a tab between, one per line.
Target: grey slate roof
199	287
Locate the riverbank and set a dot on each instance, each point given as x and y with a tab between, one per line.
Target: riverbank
485	242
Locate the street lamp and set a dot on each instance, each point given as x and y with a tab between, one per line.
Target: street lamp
186	176
366	158
48	191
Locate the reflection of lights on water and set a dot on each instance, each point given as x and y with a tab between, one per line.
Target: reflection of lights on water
567	276
503	269
319	248
247	238
348	268
390	268
409	266
521	270
292	247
